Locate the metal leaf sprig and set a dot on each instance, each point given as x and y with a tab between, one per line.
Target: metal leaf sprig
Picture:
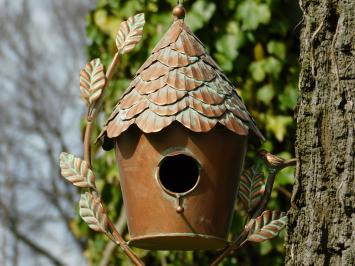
252	188
93	82
255	194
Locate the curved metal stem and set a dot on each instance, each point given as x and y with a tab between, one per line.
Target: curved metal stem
266	197
235	244
87	145
239	240
93	111
91	117
118	239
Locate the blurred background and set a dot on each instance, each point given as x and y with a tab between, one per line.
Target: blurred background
43	46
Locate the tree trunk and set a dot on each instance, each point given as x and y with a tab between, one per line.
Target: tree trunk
321	228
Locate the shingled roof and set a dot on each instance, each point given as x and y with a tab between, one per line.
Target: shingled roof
179	82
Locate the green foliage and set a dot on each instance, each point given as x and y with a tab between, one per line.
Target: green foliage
254	41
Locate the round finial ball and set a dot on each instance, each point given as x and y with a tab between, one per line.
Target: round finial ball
179	209
179	12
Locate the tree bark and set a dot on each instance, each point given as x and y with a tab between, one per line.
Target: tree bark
321	229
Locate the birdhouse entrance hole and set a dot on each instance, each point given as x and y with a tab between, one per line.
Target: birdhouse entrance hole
179	173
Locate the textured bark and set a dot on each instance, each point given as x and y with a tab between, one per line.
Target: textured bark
321	228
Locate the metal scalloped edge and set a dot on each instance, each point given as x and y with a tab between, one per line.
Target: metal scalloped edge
237	111
151	60
130	99
192	120
131	86
116	128
234	124
155	71
170	110
150	122
205	92
167	40
189	31
136	110
198	71
146	87
186	41
174	79
152	97
164	54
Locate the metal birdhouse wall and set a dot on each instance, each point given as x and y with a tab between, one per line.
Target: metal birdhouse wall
180	133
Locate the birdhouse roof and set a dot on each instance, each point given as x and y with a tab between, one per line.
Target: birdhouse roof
180	82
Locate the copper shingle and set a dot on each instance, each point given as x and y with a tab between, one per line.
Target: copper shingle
180	82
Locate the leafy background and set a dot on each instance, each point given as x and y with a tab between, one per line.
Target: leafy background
255	42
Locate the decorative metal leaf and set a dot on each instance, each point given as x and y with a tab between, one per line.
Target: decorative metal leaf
267	226
92	81
76	171
130	33
93	213
252	187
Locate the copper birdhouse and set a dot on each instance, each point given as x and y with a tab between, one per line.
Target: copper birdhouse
180	132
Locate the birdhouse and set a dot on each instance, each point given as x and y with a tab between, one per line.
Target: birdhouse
180	133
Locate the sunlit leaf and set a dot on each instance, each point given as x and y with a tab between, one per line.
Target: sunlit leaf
272	66
257	71
228	45
288	98
277	48
278	125
252	14
265	94
199	14
259	52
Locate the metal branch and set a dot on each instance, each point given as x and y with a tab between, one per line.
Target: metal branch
239	239
126	249
93	112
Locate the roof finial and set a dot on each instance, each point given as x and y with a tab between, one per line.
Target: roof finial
179	11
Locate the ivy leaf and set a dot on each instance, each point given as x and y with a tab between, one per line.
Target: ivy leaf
76	171
278	125
277	48
257	71
251	188
266	94
227	45
200	13
267	226
92	81
287	99
93	213
130	33
252	14
273	66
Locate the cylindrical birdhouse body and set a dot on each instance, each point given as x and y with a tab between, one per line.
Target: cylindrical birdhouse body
201	168
180	132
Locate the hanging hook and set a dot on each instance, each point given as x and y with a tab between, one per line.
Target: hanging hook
179	11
